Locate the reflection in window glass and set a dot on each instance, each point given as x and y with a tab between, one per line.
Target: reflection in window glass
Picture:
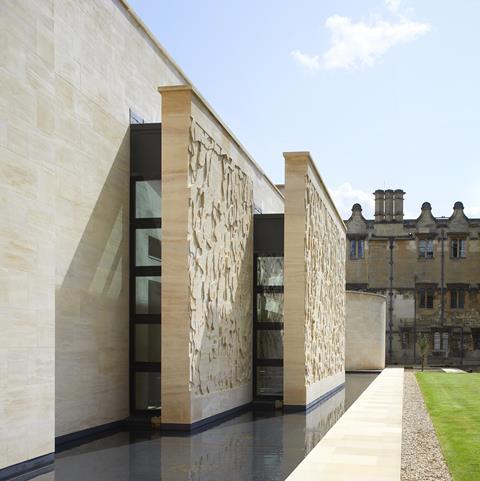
425	248
269	381
148	244
270	344
270	307
270	271
148	199
148	295
147	343
147	390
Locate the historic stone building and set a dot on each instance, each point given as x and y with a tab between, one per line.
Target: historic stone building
429	269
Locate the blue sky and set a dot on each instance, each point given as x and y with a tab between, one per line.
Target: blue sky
383	93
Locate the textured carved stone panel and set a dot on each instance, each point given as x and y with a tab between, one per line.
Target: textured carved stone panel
325	290
220	238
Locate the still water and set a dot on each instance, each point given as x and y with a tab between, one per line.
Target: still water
250	447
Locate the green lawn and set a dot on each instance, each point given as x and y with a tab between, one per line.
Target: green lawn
453	401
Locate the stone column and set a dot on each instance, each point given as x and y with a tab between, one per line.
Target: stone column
175	395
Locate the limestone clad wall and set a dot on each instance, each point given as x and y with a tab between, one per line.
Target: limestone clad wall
365	331
210	189
314	285
220	267
103	64
27	234
69	72
325	281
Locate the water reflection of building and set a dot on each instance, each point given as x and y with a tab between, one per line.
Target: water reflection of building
302	431
260	445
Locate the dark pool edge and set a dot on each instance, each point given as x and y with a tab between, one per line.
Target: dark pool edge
295	408
29	468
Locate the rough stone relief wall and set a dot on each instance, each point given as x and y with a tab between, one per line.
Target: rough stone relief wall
325	290
220	238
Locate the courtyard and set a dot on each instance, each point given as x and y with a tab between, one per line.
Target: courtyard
177	307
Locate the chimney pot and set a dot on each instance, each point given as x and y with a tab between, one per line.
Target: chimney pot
398	204
379	205
389	205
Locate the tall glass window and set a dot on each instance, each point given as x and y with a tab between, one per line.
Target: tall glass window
148	247
268	327
148	195
145	268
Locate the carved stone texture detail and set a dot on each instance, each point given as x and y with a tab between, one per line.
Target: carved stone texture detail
325	290
220	238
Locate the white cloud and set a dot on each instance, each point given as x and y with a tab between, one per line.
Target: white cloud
361	44
345	196
311	62
393	5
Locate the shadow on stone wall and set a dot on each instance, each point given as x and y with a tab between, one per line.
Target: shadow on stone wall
91	305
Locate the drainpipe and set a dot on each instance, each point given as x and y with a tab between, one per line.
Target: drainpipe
461	346
390	302
442	285
415	278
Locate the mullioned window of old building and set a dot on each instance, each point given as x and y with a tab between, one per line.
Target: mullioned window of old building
357	248
440	341
425	298
425	248
457	298
476	338
458	248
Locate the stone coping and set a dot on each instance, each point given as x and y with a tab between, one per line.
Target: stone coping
311	163
365	443
363	293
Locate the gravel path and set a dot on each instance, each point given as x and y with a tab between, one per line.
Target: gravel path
422	458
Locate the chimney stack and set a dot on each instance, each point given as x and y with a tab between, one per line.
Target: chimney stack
379	205
389	205
398	202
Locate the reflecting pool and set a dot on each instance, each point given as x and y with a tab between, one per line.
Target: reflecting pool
255	446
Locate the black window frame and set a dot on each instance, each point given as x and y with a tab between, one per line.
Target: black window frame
261	326
136	152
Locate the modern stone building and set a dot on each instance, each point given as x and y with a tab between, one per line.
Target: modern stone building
134	281
429	269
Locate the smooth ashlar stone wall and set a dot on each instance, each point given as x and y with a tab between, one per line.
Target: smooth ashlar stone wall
365	331
66	86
